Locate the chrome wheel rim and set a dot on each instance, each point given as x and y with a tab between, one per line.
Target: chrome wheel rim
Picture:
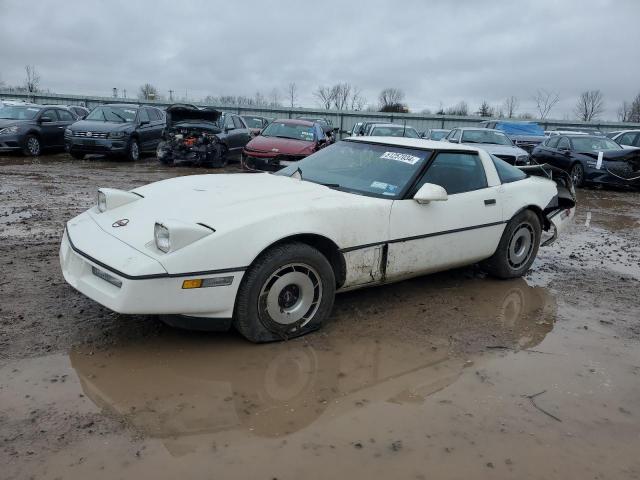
576	174
521	245
134	150
291	296
33	145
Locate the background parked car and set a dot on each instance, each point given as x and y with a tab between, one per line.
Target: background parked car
591	159
282	143
392	130
356	129
326	124
627	138
435	133
32	128
117	129
493	141
80	112
256	123
526	135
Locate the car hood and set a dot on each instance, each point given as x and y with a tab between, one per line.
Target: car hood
220	201
98	127
496	149
179	113
284	146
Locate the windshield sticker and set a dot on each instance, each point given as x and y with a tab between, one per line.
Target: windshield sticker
401	157
599	163
131	111
388	188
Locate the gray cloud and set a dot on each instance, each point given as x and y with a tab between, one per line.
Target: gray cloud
437	51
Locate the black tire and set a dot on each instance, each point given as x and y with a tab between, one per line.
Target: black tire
133	150
577	174
77	155
223	160
32	146
518	247
281	275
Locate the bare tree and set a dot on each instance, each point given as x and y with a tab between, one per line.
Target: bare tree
511	105
1	82
148	92
525	116
341	93
275	98
545	101
358	101
259	100
624	112
461	109
292	94
390	99
590	105
32	79
324	96
634	114
485	110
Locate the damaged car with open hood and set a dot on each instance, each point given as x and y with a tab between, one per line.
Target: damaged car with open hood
201	136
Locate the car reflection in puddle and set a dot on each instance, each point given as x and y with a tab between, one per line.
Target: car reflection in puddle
182	384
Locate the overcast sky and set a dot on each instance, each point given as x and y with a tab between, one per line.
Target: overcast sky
436	51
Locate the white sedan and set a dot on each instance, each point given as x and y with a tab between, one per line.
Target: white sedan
267	253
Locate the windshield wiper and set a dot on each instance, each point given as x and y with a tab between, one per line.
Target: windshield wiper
124	120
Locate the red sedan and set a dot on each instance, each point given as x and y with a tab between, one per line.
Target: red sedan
281	143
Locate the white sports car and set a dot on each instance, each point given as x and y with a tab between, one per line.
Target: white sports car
267	253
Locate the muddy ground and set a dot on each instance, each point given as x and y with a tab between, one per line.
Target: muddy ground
453	375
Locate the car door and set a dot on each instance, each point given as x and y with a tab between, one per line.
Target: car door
157	124
145	130
50	131
461	230
66	118
241	131
544	152
562	156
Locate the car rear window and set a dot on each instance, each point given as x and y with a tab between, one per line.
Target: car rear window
507	173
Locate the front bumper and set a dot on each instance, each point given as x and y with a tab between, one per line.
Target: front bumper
604	177
267	162
11	142
96	145
147	294
559	221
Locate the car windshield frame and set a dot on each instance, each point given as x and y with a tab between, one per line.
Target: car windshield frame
395	128
413	159
112	114
486	133
594	139
277	124
15	109
249	120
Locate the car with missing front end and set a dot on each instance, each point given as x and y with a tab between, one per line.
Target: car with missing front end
201	136
120	130
267	253
282	143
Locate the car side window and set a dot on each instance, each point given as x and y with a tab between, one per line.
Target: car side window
456	134
143	116
319	132
553	141
627	139
65	116
51	114
563	144
237	121
456	173
228	121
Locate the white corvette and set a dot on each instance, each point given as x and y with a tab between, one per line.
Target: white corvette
267	253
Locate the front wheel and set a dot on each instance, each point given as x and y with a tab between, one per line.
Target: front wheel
32	146
133	152
287	292
577	174
518	247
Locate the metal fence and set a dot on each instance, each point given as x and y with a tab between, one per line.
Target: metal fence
344	120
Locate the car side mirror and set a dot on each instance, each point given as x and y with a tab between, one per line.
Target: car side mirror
45	119
430	192
454	140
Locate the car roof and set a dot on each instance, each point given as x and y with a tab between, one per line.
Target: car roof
128	105
415	143
296	121
395	125
480	129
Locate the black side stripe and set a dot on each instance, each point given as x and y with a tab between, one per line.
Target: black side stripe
418	237
154	275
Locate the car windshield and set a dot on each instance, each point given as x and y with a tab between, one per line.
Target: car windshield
399	131
594	144
18	113
293	131
113	114
439	135
253	122
485	136
370	169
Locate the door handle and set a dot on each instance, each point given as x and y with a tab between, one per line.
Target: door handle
491	201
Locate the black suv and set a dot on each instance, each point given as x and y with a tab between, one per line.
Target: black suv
116	129
32	128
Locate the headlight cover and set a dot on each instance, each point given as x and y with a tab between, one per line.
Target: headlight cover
118	134
171	235
110	198
162	237
9	130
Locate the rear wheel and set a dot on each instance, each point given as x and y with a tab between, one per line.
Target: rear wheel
577	174
32	146
518	247
287	292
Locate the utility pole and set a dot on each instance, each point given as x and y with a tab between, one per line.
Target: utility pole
115	92
125	93
171	95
